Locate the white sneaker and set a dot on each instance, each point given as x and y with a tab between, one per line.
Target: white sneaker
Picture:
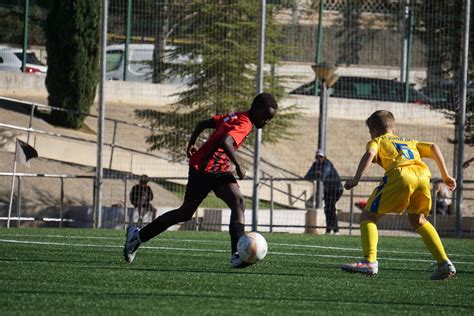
132	242
237	263
445	270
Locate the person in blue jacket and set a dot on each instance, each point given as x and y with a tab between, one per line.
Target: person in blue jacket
323	169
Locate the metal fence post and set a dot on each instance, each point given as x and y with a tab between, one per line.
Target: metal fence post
319	46
25	35
127	39
462	117
18	200
125	202
112	146
30	124
351	211
101	113
409	30
258	132
61	204
271	204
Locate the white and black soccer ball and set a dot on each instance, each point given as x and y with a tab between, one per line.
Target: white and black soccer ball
252	247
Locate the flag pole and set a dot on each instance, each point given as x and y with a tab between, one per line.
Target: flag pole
13	184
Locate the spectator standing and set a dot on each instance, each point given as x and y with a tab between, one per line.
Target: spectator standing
141	196
323	169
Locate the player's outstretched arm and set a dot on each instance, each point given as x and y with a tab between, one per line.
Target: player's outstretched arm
202	125
437	156
364	164
227	143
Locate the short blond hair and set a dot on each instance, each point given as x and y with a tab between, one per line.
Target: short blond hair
381	121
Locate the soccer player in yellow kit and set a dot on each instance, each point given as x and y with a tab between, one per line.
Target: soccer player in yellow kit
405	185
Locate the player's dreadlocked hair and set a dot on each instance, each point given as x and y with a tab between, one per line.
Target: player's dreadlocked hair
264	100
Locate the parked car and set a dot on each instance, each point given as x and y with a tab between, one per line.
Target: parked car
11	60
443	94
140	61
367	89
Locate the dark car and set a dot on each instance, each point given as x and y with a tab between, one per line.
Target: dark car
364	88
443	94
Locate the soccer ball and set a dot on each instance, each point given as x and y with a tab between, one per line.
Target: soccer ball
252	247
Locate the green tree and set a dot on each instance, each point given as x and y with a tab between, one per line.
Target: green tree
222	67
72	34
12	24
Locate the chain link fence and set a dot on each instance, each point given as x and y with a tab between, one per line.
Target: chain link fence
173	63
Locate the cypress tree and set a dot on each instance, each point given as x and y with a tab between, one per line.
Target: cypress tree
72	33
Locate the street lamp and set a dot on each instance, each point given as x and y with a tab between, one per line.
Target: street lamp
326	74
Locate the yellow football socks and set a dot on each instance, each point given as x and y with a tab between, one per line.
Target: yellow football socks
432	241
370	238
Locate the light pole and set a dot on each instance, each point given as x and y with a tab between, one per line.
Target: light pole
326	74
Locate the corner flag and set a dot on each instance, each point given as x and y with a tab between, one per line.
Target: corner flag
24	152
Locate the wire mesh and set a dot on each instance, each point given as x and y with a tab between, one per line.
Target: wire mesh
173	63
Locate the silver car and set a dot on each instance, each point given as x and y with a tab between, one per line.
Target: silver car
140	61
11	60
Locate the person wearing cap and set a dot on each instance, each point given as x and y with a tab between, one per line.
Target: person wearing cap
141	196
323	169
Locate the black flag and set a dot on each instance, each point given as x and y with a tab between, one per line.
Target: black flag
24	152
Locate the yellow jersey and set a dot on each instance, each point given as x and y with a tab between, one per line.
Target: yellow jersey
393	151
406	184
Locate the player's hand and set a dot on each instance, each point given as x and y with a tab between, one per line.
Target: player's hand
240	172
190	150
450	182
350	184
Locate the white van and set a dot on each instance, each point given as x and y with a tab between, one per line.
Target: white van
140	63
11	60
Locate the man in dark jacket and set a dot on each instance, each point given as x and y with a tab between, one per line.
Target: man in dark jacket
141	196
323	169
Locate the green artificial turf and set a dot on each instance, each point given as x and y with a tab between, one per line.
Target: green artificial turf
81	271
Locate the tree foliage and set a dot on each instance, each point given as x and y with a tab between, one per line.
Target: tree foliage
440	26
73	58
222	66
13	21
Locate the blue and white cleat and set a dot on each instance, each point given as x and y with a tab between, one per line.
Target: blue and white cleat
132	242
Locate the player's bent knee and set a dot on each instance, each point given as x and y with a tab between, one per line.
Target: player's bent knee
416	220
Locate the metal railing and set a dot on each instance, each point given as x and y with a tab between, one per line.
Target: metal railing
112	145
347	200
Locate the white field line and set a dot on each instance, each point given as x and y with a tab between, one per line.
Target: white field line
221	241
213	250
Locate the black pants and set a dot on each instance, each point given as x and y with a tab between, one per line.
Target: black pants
330	200
199	185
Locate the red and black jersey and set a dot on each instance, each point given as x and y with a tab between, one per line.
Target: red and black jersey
210	158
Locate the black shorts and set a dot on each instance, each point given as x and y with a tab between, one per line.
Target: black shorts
200	184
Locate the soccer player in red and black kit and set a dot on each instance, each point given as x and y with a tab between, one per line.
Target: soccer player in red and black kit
210	170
